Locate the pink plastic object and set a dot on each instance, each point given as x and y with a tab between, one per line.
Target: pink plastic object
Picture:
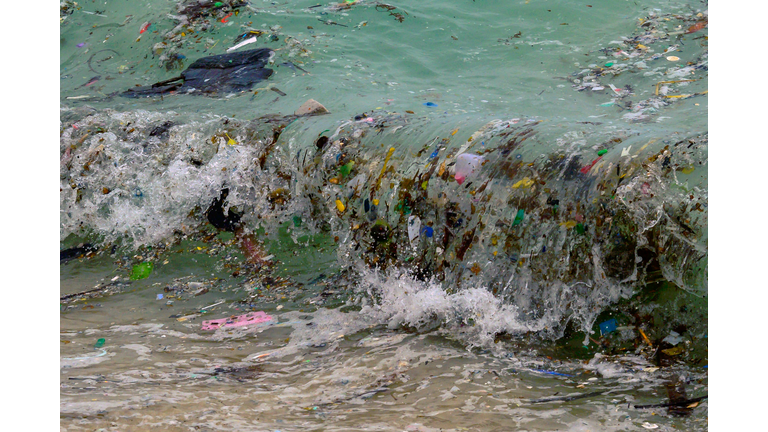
237	321
466	164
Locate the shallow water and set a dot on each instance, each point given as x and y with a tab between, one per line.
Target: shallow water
402	297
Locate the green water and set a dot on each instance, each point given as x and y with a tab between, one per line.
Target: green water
388	65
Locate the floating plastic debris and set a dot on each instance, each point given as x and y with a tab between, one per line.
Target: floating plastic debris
237	321
466	165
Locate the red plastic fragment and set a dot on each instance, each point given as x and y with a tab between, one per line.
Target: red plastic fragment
589	167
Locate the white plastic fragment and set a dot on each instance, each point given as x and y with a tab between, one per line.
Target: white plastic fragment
414	228
243	43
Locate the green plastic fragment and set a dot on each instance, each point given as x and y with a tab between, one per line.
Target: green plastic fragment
218	4
519	217
580	228
345	169
99	343
402	207
609	64
141	271
296	221
602	152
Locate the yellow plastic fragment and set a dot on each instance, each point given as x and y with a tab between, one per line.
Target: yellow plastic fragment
525	182
646	145
340	206
384	168
642	333
674	351
687	170
454	131
231	141
569	224
424	185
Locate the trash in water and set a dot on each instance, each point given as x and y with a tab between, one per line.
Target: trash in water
466	165
243	43
159	296
430	104
237	321
551	372
519	217
311	108
696	27
141	271
428	231
674	351
99	343
340	206
673	338
414	228
607	327
589	167
224	73
525	182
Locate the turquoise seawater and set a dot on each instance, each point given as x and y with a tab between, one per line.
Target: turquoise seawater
499	224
